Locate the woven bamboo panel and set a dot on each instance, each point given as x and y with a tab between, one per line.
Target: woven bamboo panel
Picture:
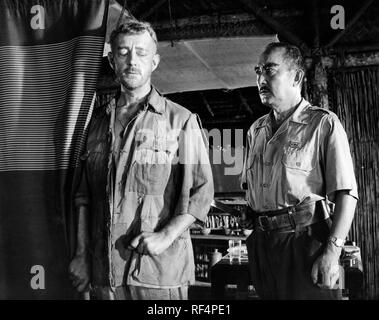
354	97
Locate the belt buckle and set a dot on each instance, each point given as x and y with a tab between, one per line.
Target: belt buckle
264	223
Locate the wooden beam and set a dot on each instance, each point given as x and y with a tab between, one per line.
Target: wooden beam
272	23
153	9
352	49
207	106
360	12
201	20
244	103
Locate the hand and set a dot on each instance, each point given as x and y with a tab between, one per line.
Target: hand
327	267
151	243
79	272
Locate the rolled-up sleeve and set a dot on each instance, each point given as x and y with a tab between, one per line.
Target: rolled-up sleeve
338	163
197	188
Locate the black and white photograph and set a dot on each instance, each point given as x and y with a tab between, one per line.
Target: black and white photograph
190	154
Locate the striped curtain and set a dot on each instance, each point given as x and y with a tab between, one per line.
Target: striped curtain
50	55
354	96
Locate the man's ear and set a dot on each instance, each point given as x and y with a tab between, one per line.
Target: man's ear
299	76
155	62
111	60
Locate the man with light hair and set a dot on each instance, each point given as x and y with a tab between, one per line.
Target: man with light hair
136	197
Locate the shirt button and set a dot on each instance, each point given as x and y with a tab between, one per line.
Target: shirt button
265	185
298	164
267	163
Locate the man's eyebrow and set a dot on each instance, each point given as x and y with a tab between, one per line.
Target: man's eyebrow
271	64
126	47
267	65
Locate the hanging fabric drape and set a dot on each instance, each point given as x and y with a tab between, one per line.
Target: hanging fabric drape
50	56
355	98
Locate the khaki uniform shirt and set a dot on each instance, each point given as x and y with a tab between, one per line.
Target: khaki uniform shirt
160	169
306	159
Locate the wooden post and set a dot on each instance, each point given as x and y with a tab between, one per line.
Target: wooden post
317	81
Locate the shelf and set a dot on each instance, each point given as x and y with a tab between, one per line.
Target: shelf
217	237
232	199
202	279
199	283
233	202
221	213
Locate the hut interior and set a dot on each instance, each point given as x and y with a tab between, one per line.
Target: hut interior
342	75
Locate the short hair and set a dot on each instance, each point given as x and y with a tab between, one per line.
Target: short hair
132	27
292	54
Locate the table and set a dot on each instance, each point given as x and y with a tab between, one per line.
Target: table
226	272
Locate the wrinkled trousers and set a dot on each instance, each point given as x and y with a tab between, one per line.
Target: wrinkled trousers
280	263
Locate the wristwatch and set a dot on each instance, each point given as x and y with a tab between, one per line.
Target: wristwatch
336	241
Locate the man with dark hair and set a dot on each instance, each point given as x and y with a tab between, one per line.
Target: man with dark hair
297	164
146	178
291	54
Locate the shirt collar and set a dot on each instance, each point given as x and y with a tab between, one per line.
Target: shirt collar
297	116
155	101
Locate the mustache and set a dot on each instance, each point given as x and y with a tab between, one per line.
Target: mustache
264	88
132	70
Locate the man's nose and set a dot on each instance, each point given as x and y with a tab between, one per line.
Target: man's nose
261	79
131	59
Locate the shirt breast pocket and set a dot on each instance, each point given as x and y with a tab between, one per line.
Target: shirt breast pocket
300	158
151	168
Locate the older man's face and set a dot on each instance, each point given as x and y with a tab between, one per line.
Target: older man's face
274	79
134	59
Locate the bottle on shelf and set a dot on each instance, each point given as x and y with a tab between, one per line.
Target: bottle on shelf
216	257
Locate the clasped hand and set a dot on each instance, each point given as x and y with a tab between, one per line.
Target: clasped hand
151	243
325	270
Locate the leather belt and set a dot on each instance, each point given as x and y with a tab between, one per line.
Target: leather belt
292	218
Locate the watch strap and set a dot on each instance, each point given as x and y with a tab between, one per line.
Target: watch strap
338	242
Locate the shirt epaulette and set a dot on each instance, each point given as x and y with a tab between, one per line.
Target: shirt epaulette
259	122
315	108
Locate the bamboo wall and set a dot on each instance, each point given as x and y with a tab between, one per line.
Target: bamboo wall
354	97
